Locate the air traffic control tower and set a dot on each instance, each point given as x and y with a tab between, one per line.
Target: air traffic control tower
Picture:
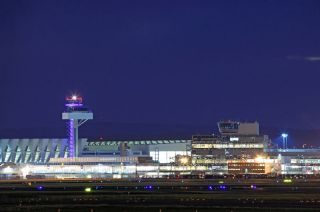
76	114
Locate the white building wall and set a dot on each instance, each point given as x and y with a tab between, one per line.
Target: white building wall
167	156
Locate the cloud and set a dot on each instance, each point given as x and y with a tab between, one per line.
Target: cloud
309	58
313	58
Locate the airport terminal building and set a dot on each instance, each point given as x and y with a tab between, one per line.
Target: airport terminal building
238	148
232	151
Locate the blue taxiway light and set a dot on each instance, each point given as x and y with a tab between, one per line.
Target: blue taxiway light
253	186
40	188
220	187
148	187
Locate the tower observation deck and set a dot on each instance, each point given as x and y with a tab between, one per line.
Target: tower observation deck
76	114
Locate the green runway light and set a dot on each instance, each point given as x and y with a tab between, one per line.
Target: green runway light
87	189
287	181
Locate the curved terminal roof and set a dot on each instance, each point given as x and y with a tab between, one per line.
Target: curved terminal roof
137	142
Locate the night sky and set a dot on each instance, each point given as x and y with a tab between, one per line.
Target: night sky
161	62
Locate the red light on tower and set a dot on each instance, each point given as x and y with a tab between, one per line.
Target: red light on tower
74	98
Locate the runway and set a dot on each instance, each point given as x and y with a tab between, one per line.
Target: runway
160	194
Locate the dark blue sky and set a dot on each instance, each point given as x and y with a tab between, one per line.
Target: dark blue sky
161	62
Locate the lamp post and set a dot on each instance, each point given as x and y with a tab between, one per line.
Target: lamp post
284	140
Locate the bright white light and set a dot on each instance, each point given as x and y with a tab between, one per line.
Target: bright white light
116	176
25	171
74	97
184	160
284	135
7	170
234	139
259	159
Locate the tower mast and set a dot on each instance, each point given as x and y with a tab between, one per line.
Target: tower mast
76	114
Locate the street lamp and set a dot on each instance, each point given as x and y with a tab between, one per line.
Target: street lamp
284	140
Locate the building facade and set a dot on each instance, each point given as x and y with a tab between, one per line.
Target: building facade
231	150
41	150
